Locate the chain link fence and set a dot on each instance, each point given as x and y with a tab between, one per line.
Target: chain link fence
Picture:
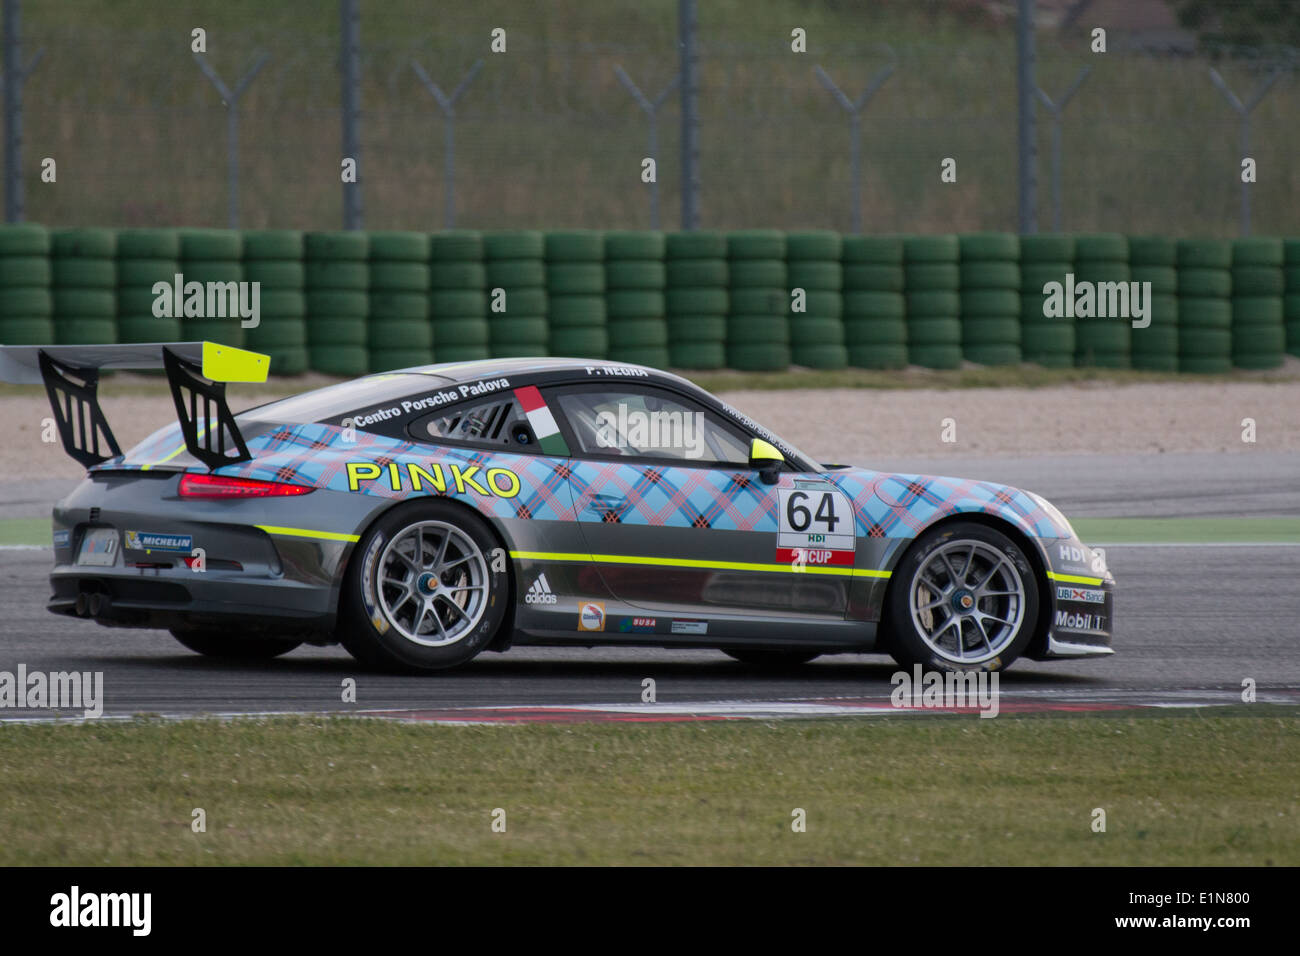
547	134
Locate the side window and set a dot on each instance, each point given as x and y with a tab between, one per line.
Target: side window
495	422
648	423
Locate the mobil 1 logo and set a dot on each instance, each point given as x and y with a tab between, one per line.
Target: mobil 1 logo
815	519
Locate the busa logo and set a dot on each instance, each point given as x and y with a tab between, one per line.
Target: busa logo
631	624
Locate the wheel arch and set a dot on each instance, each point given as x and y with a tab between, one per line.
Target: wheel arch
498	531
1029	544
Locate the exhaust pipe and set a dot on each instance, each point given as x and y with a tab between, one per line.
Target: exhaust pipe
98	604
81	606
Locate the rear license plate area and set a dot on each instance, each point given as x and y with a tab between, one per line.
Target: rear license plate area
99	547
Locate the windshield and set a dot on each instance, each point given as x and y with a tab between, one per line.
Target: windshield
334	400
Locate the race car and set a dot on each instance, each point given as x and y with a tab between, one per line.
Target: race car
422	516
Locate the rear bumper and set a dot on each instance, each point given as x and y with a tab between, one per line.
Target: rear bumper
267	564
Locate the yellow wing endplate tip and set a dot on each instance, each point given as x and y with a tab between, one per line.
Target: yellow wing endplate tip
225	363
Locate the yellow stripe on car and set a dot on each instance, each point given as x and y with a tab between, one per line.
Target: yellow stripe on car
1072	578
308	533
694	563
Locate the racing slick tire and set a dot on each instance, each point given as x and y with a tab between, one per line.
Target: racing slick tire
770	657
214	643
422	591
973	574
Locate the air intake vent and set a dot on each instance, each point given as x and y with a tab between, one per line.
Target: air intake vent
94	514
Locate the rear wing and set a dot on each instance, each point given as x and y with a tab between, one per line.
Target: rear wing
197	373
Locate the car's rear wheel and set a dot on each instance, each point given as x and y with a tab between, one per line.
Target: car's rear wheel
423	591
232	647
964	598
764	657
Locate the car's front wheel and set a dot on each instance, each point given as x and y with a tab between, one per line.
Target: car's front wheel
963	598
423	591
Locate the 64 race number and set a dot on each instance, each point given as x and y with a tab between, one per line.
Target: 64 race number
815	518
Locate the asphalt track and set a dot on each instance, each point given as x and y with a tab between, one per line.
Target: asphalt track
1192	621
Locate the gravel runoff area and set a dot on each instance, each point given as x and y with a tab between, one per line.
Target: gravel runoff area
847	425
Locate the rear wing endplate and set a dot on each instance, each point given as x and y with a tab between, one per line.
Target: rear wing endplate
197	373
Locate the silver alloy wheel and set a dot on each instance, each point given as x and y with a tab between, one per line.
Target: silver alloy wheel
967	601
433	583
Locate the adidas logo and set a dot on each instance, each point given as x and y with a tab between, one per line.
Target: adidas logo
540	592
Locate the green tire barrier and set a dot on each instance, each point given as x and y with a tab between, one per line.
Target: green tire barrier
1152	259
756	266
1204	305
146	257
210	255
1258	304
872	250
336	275
815	278
458	295
26	304
1291	301
83	277
516	270
399	282
990	298
1103	342
695	245
874	309
635	278
932	278
575	286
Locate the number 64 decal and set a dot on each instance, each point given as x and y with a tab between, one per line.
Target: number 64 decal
816	517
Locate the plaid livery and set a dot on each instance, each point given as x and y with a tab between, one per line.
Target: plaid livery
886	505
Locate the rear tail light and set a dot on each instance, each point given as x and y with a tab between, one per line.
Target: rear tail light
219	486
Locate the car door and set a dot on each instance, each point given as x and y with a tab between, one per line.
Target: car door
677	520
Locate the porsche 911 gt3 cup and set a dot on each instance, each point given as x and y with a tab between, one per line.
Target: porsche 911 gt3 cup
419	517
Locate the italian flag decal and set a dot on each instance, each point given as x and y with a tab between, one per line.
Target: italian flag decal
542	422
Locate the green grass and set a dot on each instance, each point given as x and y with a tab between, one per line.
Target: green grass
1188	530
25	531
1187	790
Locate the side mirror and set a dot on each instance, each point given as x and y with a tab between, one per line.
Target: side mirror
766	460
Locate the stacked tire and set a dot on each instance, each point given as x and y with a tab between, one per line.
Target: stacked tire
1258	313
812	261
696	299
337	280
635	281
758	328
575	290
1102	342
1204	305
1154	259
932	283
83	274
146	257
212	255
26	305
875	312
458	303
274	259
1046	340
1291	304
516	272
398	332
990	298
